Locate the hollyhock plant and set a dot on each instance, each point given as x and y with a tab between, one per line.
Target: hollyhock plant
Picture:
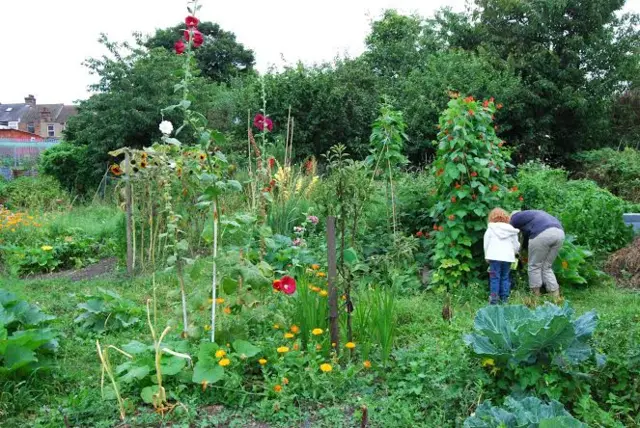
179	47
313	219
288	284
191	21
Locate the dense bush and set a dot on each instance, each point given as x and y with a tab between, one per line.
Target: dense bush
592	214
39	193
617	171
68	163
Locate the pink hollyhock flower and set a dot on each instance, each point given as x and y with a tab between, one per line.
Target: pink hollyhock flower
288	284
179	47
263	123
313	219
191	21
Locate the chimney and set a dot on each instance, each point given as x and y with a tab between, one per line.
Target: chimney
45	115
31	100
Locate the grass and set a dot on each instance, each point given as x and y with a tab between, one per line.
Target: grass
437	365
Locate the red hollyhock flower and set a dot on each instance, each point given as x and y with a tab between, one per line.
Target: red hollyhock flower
262	123
468	99
179	47
288	284
191	21
277	285
198	39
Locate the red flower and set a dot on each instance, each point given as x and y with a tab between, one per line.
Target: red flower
471	112
474	174
272	163
499	106
468	99
521	199
485	104
419	234
458	185
440	228
494	188
179	47
435	227
198	39
262	123
452	217
491	99
514	189
191	21
453	199
288	284
272	183
277	285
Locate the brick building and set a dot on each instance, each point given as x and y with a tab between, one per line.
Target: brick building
44	120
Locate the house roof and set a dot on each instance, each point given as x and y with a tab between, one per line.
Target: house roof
13	112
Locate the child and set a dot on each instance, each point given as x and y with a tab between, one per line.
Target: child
500	247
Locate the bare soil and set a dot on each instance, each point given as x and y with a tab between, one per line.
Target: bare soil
102	268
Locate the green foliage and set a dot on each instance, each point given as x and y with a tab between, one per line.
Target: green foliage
471	179
529	412
593	215
39	193
615	170
68	163
26	343
220	58
106	310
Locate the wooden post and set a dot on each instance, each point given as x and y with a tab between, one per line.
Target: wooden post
128	204
333	293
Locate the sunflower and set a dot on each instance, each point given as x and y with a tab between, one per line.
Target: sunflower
115	170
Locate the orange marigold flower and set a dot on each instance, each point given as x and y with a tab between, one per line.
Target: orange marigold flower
315	267
316	331
224	362
285	381
227	310
366	364
565	265
277	388
295	329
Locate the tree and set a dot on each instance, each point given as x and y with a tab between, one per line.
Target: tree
134	85
220	58
571	55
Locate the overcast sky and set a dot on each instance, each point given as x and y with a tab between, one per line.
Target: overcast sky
45	42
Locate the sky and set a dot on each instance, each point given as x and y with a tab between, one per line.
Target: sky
45	42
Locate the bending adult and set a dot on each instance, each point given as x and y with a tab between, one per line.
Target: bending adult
543	235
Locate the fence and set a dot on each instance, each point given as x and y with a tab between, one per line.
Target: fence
19	156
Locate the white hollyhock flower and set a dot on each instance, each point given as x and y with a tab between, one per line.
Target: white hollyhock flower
166	127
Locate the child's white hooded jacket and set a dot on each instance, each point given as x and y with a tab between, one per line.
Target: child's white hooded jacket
501	242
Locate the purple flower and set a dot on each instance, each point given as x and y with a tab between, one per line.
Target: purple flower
313	219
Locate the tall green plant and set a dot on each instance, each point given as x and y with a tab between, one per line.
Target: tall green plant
471	179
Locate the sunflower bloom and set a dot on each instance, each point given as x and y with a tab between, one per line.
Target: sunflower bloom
224	362
326	367
316	331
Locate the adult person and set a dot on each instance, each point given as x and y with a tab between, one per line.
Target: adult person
543	235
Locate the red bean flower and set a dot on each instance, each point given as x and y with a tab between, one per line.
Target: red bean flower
179	47
191	21
288	284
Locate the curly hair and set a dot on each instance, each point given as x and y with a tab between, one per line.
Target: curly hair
498	215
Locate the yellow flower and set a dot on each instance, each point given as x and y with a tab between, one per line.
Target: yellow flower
323	293
207	327
321	274
315	267
295	329
316	331
315	289
285	381
334	344
277	388
220	353
262	361
46	248
282	350
318	347
276	326
350	345
219	300
326	367
227	310
343	297
224	362
367	364
288	336
565	265
488	362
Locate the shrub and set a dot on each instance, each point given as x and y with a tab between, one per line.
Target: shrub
593	215
617	171
68	164
529	412
26	344
471	179
40	193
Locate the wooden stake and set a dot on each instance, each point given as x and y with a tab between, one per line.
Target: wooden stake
128	204
333	294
